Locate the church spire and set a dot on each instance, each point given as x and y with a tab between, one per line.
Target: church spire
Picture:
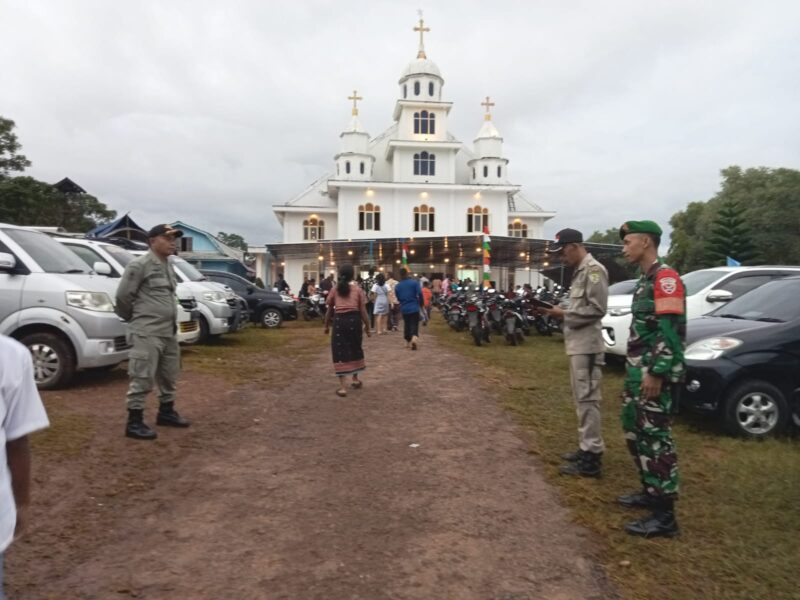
422	30
488	105
355	98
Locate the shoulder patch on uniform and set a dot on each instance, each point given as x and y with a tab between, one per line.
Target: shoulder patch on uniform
594	276
668	293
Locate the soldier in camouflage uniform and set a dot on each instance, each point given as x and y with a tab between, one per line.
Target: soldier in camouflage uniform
654	365
146	300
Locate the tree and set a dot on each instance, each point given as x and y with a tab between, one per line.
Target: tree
234	240
609	236
730	236
10	159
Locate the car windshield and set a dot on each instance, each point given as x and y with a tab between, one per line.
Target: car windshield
188	270
773	302
699	280
122	256
51	256
622	287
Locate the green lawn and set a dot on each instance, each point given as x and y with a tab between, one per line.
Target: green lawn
740	500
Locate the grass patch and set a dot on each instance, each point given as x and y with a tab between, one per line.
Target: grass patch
739	499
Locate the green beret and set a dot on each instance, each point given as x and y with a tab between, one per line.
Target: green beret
639	227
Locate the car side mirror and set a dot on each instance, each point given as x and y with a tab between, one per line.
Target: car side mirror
719	296
7	261
102	268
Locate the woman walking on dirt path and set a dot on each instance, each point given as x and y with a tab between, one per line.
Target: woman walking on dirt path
347	310
379	294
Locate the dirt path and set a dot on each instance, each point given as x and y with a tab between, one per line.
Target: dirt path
415	486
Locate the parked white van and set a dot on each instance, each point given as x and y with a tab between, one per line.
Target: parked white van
53	303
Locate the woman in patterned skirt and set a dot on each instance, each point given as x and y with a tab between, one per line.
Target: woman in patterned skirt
347	310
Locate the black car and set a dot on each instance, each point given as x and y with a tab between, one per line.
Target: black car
743	360
266	307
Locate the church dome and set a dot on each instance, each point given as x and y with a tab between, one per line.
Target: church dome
488	130
421	66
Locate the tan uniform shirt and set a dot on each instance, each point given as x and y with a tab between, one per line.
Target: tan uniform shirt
146	296
588	301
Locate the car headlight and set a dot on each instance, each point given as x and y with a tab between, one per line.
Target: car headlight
711	348
96	301
215	297
288	299
619	311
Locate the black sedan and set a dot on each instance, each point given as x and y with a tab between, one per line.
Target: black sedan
266	307
743	360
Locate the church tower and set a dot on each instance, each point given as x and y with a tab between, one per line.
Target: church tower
354	162
421	151
488	166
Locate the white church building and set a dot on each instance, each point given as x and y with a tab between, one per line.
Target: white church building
417	185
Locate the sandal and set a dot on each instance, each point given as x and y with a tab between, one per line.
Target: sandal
341	393
356	385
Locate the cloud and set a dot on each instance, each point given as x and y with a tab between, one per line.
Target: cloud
211	112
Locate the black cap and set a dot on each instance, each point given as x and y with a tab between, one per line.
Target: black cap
164	230
564	237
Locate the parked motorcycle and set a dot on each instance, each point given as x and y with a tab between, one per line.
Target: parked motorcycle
314	306
478	325
513	323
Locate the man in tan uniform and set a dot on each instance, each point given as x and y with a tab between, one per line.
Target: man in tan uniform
588	299
146	300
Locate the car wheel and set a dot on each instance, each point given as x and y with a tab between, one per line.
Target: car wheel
53	360
271	318
756	409
202	337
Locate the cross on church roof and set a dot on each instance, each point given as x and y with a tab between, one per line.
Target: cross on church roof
488	105
422	29
355	98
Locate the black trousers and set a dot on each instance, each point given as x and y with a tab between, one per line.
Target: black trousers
410	325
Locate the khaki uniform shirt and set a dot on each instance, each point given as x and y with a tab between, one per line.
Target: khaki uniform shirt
588	301
146	297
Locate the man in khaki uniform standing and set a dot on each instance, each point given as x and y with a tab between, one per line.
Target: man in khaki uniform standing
146	300
588	300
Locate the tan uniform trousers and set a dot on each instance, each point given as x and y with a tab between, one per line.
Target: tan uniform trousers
586	376
152	360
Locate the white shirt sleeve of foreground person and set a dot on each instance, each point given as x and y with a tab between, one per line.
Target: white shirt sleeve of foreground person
21	413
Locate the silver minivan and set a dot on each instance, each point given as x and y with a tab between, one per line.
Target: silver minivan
52	302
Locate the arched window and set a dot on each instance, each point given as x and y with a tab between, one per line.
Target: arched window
477	219
499	172
347	166
361	168
369	217
416	88
517	229
473	172
405	90
313	229
423	218
424	122
424	164
485	171
430	88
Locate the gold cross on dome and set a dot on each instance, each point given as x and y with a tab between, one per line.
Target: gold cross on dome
422	29
488	105
355	98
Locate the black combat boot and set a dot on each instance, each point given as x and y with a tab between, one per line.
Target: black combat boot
636	500
588	465
661	523
572	456
136	427
169	417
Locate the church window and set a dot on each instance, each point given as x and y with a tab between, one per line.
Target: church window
405	90
361	168
430	88
499	172
477	219
485	171
347	166
424	164
423	218
473	172
369	217
313	229
424	122
517	229
310	271
416	88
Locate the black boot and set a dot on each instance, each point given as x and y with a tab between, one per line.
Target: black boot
588	465
136	427
572	456
661	523
636	500
169	417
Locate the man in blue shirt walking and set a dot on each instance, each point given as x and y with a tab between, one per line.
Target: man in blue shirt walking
409	295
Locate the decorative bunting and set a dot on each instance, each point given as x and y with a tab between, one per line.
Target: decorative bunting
404	258
487	256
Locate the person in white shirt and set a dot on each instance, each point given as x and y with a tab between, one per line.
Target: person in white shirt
21	413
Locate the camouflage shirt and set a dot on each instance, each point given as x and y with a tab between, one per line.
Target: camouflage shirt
658	327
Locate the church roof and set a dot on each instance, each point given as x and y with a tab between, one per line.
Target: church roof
488	130
421	66
354	126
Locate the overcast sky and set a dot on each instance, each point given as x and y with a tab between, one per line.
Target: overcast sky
210	112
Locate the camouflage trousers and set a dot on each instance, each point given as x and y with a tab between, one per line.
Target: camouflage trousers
648	433
152	361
